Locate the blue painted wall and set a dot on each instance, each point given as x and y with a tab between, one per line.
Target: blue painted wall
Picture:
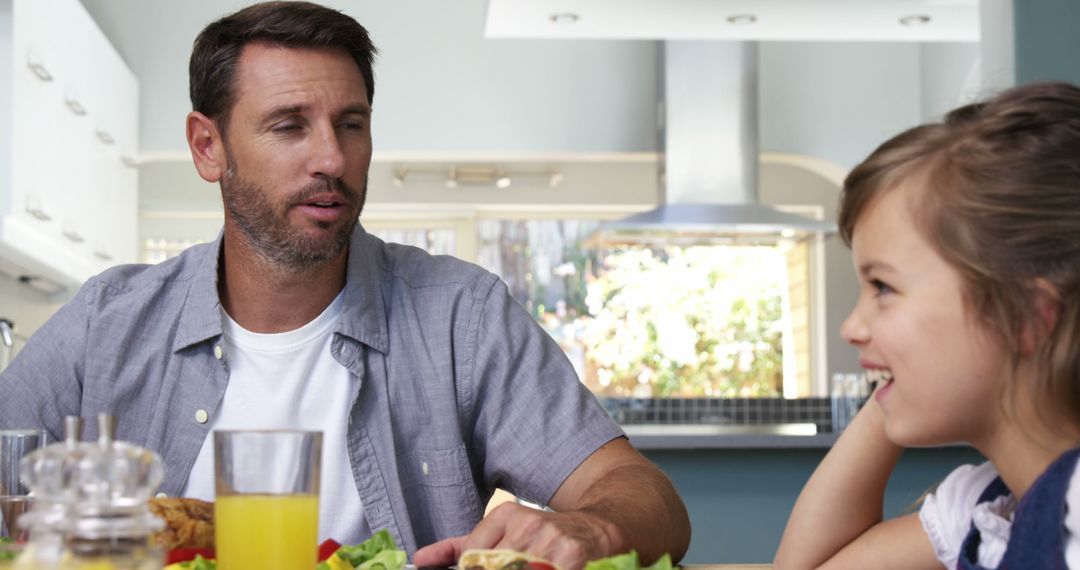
1047	40
739	499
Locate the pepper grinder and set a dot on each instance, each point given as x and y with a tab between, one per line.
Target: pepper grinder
91	503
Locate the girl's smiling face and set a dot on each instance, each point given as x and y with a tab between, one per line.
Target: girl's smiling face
942	372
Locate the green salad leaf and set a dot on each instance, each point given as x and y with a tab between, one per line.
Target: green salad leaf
6	555
366	551
664	563
628	561
385	560
199	563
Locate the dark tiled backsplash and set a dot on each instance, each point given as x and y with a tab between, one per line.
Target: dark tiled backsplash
720	411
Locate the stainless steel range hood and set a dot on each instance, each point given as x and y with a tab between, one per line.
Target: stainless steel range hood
709	175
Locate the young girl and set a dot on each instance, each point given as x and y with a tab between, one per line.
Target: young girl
966	239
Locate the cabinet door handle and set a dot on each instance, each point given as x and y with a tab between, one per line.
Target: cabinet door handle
129	161
37	67
74	236
38	212
35	209
104	136
75	106
102	254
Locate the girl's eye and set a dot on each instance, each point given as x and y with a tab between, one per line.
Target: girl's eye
880	287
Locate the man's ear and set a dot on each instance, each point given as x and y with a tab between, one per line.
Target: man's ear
1047	302
207	146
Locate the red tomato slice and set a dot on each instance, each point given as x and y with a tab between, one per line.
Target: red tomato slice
328	548
184	554
538	566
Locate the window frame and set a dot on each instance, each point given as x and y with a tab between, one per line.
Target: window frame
464	221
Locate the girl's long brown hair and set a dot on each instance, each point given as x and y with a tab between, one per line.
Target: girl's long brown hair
1001	204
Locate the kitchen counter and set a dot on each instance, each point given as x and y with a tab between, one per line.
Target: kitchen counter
726	566
775	436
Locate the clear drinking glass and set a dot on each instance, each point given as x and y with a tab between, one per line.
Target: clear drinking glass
14	500
267	507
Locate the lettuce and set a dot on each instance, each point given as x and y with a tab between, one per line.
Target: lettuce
628	561
376	553
368	550
5	553
664	563
385	560
199	563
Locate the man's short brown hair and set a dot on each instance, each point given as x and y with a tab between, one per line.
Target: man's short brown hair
218	47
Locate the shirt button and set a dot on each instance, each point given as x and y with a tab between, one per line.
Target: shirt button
218	353
161	496
201	416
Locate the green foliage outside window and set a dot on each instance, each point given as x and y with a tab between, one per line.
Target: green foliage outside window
700	321
691	322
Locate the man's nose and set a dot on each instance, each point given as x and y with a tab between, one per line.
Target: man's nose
327	157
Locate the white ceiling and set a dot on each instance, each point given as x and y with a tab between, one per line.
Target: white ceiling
774	20
435	56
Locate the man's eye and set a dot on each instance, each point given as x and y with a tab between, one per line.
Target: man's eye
352	126
285	127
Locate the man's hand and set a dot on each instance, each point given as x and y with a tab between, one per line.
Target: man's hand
615	501
568	539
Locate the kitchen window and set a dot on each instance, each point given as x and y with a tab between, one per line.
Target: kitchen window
156	250
684	323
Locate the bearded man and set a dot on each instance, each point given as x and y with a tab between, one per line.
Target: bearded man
431	385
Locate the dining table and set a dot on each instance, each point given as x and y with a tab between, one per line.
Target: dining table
727	567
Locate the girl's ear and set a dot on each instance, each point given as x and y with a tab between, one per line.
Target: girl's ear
1047	301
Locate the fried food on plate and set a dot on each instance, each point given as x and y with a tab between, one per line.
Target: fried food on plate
189	523
501	559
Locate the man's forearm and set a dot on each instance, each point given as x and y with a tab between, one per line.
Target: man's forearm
642	510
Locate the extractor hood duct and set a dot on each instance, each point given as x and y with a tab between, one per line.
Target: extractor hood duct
709	175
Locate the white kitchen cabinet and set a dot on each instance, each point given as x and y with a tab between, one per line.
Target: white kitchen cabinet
69	205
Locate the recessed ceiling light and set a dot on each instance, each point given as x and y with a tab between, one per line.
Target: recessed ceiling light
915	20
741	19
564	18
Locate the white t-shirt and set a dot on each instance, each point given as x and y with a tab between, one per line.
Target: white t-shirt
948	513
290	381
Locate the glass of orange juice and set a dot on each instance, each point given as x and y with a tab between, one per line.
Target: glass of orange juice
267	507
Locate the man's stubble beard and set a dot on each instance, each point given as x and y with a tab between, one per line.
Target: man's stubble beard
267	229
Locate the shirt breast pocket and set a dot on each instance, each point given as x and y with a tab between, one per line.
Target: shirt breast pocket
440	492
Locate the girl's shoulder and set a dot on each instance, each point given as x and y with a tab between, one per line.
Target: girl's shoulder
948	510
961	489
949	513
1072	520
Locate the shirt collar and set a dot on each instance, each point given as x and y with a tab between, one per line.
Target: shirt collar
200	317
363	317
